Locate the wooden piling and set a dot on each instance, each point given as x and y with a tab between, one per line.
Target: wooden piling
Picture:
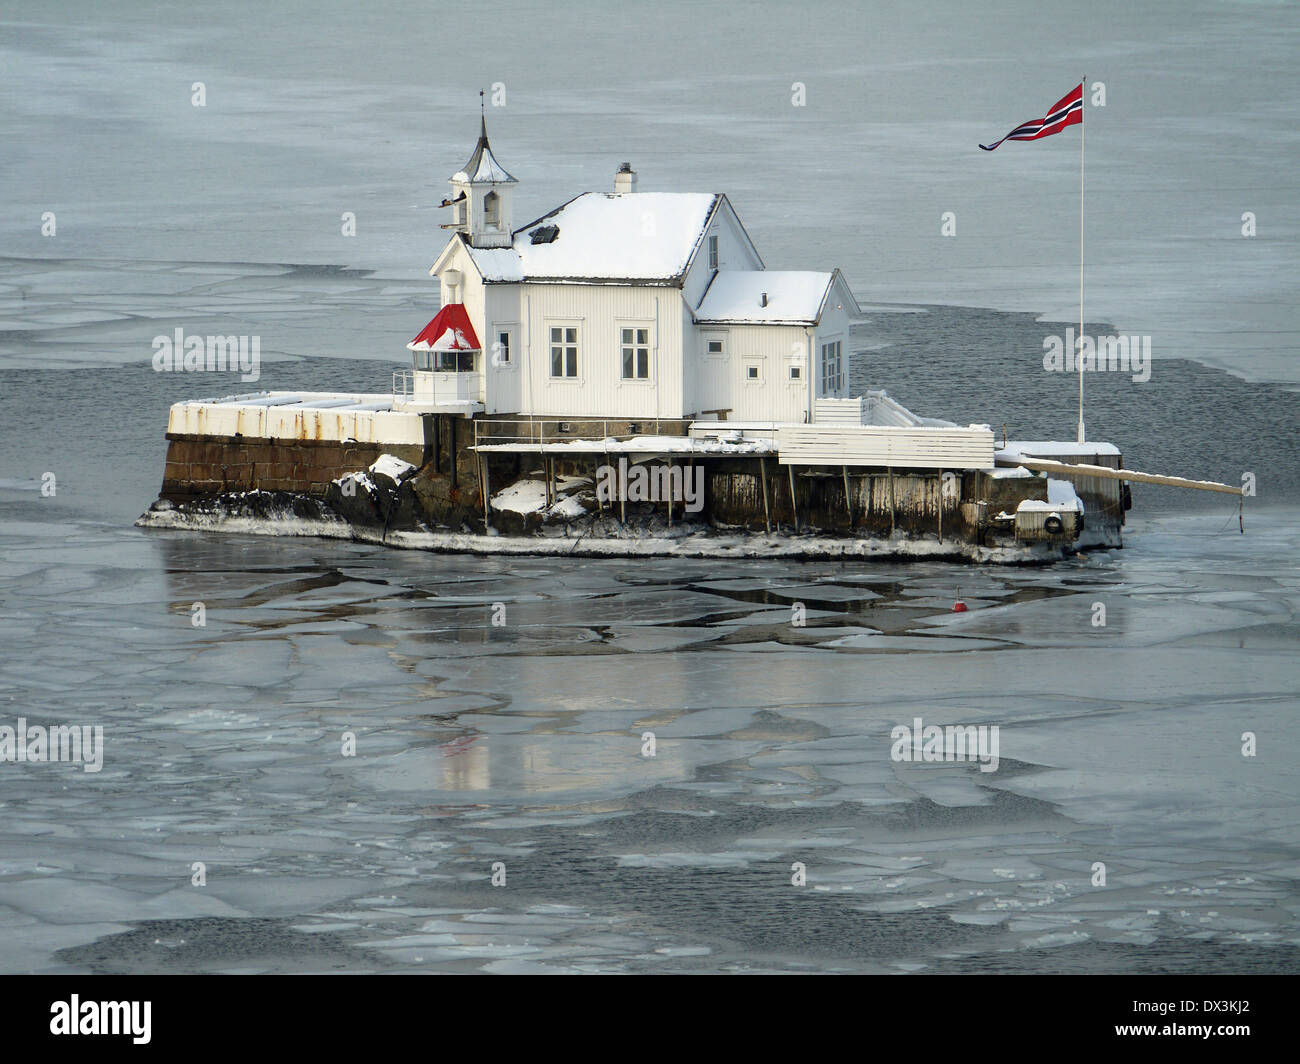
670	493
762	474
451	429
893	519
848	499
941	506
794	504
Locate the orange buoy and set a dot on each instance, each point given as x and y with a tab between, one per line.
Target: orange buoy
959	606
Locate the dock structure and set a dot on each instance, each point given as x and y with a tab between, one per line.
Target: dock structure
907	478
642	332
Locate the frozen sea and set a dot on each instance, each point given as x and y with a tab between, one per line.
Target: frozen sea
521	745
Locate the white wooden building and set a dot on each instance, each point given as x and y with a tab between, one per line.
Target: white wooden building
628	304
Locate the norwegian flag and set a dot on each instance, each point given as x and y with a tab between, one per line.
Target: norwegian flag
1067	111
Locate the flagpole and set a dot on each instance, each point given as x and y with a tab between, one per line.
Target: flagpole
1083	107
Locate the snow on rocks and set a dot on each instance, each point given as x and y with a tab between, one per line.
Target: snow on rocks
392	467
573	499
521	497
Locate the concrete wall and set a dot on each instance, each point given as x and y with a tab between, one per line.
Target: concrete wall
257	420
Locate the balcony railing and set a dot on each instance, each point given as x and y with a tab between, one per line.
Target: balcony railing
403	384
435	386
562	430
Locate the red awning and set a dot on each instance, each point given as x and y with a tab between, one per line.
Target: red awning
450	330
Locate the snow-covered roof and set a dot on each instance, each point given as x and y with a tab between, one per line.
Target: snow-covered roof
646	237
793	296
482	165
1049	448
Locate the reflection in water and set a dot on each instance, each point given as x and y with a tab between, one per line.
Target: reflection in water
522	741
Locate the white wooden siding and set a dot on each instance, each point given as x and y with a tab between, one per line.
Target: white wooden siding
599	390
721	383
503	385
734	253
865	445
837	411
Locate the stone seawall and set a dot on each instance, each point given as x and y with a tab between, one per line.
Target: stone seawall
207	465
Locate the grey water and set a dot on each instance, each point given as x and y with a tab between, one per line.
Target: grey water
328	774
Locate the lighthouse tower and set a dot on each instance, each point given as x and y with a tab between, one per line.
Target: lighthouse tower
480	200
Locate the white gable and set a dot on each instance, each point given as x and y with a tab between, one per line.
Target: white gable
736	296
645	237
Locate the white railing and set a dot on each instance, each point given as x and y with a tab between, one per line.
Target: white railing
403	384
880	409
435	386
545	431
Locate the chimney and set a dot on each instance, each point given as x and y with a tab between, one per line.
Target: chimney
762	300
625	179
453	279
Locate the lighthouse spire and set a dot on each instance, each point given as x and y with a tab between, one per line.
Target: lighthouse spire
481	193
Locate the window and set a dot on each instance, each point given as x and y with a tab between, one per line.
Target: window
753	372
636	354
503	348
713	252
832	368
453	361
492	211
564	351
796	373
715	347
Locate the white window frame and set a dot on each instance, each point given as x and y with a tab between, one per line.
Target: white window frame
510	330
564	344
832	368
716	337
795	373
714	255
648	346
753	364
